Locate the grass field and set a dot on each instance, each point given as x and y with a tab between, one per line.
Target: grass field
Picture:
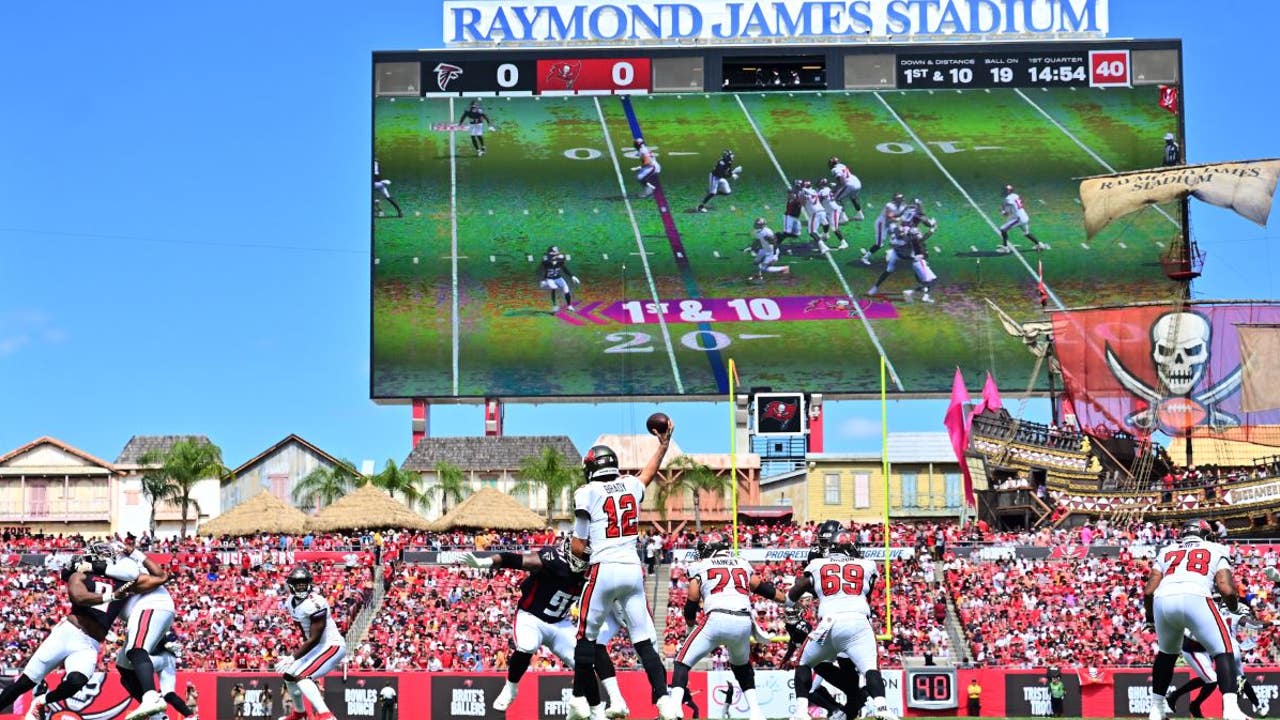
457	311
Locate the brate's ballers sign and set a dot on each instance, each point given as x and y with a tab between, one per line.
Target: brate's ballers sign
465	697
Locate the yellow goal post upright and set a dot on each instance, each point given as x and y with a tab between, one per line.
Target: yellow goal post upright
884	475
733	449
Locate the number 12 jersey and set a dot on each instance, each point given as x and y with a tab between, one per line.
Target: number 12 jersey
613	507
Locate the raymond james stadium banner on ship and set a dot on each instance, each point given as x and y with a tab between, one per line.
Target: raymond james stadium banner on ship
514	23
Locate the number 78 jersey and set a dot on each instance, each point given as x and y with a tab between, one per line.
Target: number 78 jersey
614	509
842	584
1189	566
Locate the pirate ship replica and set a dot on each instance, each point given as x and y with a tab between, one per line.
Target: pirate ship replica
1201	376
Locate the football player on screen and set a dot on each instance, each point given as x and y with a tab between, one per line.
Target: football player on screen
848	186
791	212
906	246
833	210
1012	208
718	180
476	120
764	247
554	275
382	186
888	214
648	169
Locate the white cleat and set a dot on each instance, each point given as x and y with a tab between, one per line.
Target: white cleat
1040	246
36	711
152	704
1157	711
859	216
822	248
579	709
926	297
866	258
669	708
844	245
505	698
875	290
1004	249
618	712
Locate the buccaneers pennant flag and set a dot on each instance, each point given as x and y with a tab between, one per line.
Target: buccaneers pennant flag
1169	98
1093	676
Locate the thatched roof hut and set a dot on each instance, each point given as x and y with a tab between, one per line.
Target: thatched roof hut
490	508
262	513
367	507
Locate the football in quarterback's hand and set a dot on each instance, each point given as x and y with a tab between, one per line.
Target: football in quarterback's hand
658	424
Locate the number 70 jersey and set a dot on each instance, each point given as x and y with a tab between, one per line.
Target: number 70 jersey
842	584
725	583
614	509
1189	566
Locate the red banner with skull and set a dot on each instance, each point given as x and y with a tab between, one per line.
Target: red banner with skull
1173	369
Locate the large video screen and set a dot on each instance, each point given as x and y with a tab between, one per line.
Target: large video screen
664	285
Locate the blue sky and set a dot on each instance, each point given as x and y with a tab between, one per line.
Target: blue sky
184	222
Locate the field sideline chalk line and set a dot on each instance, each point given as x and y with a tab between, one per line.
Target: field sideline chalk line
644	257
844	284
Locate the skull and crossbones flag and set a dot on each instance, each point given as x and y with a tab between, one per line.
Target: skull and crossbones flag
1175	369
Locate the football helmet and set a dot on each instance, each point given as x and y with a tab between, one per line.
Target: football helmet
576	564
600	463
833	161
760	223
712	544
1007	189
727	156
898	198
805	184
843	544
1168	137
639	143
299	582
104	550
827	531
1196	528
797	184
553	251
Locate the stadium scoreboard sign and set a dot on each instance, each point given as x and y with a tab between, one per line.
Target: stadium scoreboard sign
527	244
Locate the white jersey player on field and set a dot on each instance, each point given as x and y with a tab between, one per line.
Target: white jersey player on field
606	524
721	584
148	617
1178	598
888	215
841	581
1244	628
1012	208
848	186
833	210
322	648
765	249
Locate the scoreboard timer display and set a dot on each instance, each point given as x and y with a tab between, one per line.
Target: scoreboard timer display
1081	68
932	689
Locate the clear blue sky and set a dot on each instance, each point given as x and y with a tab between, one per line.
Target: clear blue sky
184	196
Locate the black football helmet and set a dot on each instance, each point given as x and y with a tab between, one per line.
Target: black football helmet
827	531
711	544
833	161
727	156
844	543
1196	528
299	582
600	463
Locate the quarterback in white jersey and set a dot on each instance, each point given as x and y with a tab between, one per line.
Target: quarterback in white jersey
1012	208
841	581
764	247
1178	600
848	186
606	525
722	584
321	650
147	617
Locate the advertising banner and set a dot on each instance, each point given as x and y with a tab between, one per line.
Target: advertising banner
1027	695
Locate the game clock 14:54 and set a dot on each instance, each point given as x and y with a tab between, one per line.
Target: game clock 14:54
932	688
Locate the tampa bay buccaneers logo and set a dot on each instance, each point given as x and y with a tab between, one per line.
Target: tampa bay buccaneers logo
97	700
445	74
565	73
779	411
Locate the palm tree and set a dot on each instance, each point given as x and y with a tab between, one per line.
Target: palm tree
690	475
185	464
549	470
451	484
156	486
406	484
325	484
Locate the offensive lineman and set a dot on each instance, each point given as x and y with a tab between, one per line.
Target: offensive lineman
148	617
476	120
722	584
848	186
1244	630
1177	599
1012	208
833	210
888	215
552	274
841	581
321	650
96	599
606	520
718	180
764	246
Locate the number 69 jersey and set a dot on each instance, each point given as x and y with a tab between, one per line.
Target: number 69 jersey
842	584
726	583
1188	567
613	507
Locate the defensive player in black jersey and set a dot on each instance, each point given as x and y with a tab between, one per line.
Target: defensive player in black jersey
96	600
476	120
547	594
718	180
826	531
554	274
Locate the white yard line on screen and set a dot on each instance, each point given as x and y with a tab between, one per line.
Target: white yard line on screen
453	245
1086	148
844	284
644	254
921	144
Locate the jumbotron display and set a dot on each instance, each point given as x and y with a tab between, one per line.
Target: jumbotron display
618	223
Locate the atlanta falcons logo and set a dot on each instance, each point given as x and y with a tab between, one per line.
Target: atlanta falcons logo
446	73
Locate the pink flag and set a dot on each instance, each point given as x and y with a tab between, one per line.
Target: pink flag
957	423
990	397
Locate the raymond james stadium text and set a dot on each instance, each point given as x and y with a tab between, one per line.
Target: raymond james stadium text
514	23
